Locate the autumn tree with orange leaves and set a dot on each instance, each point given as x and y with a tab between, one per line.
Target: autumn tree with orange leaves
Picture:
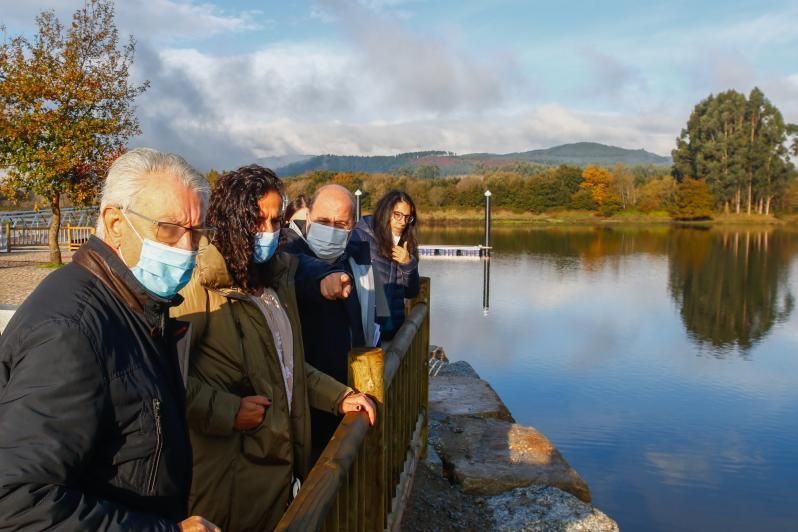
66	107
599	182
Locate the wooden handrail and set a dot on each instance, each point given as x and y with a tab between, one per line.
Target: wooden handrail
363	477
317	496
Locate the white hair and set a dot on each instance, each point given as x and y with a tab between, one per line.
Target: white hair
130	173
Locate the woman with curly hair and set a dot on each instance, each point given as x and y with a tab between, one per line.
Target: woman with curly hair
391	234
249	388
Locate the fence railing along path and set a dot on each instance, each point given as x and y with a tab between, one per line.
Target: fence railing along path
29	230
363	478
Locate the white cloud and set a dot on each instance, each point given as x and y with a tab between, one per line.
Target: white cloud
300	99
174	19
162	19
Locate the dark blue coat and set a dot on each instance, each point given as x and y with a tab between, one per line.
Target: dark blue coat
399	280
329	328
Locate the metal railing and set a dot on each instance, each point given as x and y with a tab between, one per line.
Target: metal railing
362	479
83	216
37	238
30	229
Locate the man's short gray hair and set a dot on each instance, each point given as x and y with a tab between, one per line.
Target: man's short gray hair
130	173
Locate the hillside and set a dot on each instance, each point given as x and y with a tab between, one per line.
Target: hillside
580	153
589	153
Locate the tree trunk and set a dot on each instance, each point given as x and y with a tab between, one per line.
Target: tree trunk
55	227
749	198
767	205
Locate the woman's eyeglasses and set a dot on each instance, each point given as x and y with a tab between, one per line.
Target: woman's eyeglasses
171	233
398	217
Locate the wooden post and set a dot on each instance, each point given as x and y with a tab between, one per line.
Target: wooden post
367	375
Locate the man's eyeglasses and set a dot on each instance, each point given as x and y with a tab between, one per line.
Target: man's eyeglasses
398	217
171	233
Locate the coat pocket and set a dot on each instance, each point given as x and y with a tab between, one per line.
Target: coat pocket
270	442
138	460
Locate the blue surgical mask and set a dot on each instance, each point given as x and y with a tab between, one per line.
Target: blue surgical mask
163	270
265	246
327	243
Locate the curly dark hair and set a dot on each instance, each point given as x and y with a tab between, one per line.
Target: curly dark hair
382	223
234	212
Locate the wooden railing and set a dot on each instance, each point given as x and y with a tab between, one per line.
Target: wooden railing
77	236
37	237
363	477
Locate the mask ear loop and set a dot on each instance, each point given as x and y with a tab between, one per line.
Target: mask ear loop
119	247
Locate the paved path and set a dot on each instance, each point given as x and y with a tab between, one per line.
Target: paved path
20	273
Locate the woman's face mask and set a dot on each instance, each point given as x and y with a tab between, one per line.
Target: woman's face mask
327	243
163	270
265	246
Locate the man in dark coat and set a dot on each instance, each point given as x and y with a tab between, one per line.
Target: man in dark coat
93	433
333	306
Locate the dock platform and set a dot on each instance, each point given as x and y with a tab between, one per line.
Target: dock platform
452	251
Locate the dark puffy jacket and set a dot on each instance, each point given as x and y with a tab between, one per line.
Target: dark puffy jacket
399	280
92	404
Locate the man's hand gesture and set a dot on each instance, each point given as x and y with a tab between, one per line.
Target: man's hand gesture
336	285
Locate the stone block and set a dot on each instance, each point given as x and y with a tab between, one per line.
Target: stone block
491	456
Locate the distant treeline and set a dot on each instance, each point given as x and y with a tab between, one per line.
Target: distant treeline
605	190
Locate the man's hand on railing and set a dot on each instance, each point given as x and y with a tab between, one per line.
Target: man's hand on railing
198	524
359	402
336	285
251	412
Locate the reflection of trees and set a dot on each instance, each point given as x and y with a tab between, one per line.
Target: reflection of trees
731	286
570	248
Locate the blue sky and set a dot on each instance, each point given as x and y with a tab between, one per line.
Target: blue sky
241	80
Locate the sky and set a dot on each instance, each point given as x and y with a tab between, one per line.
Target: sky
237	81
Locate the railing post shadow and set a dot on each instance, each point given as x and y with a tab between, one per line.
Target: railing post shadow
367	375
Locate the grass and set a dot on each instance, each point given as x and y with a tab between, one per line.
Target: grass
509	217
49	265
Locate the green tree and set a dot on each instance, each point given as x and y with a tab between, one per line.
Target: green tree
738	146
693	200
66	107
657	194
427	171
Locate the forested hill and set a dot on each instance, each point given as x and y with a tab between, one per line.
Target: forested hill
583	153
446	163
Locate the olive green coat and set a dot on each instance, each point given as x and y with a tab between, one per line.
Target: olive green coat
242	480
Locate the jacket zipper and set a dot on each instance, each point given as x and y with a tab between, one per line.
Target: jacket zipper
156	410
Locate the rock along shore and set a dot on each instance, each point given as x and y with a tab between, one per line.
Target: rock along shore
485	472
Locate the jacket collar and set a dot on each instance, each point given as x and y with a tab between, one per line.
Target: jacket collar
100	260
366	224
215	275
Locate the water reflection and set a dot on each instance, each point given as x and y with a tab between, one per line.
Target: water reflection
485	285
598	336
731	286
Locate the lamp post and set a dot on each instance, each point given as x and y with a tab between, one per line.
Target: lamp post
487	222
358	193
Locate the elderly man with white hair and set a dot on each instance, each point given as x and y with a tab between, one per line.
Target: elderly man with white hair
93	433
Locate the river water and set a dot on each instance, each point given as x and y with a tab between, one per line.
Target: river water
662	362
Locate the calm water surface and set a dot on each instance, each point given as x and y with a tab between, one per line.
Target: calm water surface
662	362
